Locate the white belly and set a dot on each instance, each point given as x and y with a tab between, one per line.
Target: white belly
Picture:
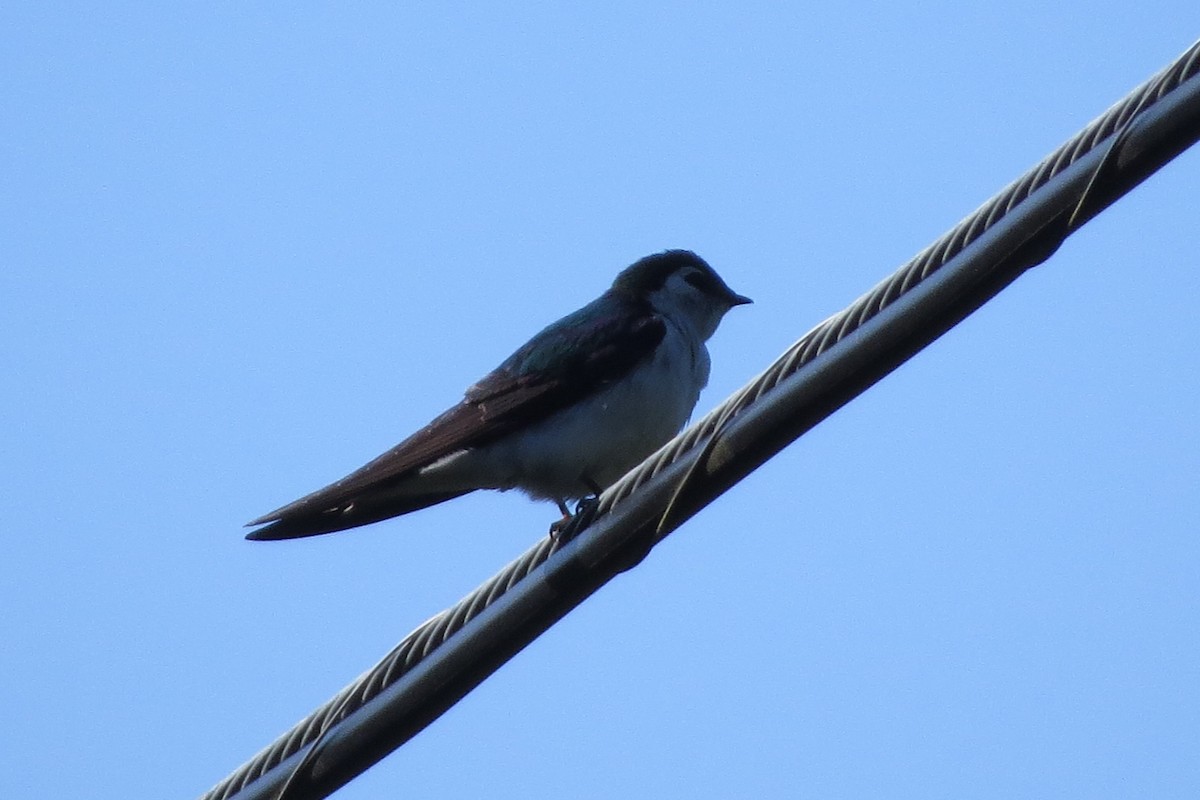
594	442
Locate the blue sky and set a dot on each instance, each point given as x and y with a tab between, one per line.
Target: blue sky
246	249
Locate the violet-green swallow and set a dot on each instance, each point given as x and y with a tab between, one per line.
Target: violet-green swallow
565	416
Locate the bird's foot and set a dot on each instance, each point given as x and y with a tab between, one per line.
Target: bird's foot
571	525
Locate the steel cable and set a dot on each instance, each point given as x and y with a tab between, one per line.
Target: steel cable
415	647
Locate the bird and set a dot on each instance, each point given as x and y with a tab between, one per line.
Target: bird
571	411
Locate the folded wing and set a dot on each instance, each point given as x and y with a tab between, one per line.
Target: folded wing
564	363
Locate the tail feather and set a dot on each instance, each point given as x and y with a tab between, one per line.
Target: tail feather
294	523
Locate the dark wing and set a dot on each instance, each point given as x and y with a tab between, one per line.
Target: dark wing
572	358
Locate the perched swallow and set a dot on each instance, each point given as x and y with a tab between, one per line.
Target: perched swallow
565	416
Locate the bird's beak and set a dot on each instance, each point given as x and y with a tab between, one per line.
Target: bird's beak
736	299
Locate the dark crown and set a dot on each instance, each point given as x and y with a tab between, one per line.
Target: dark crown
650	273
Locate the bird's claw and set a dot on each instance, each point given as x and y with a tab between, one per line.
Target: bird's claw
567	528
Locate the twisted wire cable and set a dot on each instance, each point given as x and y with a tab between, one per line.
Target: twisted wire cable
408	653
834	329
700	437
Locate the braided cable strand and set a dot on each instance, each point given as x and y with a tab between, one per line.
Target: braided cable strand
403	657
430	635
924	264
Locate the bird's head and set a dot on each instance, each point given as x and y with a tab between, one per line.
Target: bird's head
682	286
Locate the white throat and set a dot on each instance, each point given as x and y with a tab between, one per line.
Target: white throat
697	313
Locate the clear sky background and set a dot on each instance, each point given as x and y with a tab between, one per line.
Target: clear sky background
245	249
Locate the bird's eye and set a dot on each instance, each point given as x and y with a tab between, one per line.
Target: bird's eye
703	281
